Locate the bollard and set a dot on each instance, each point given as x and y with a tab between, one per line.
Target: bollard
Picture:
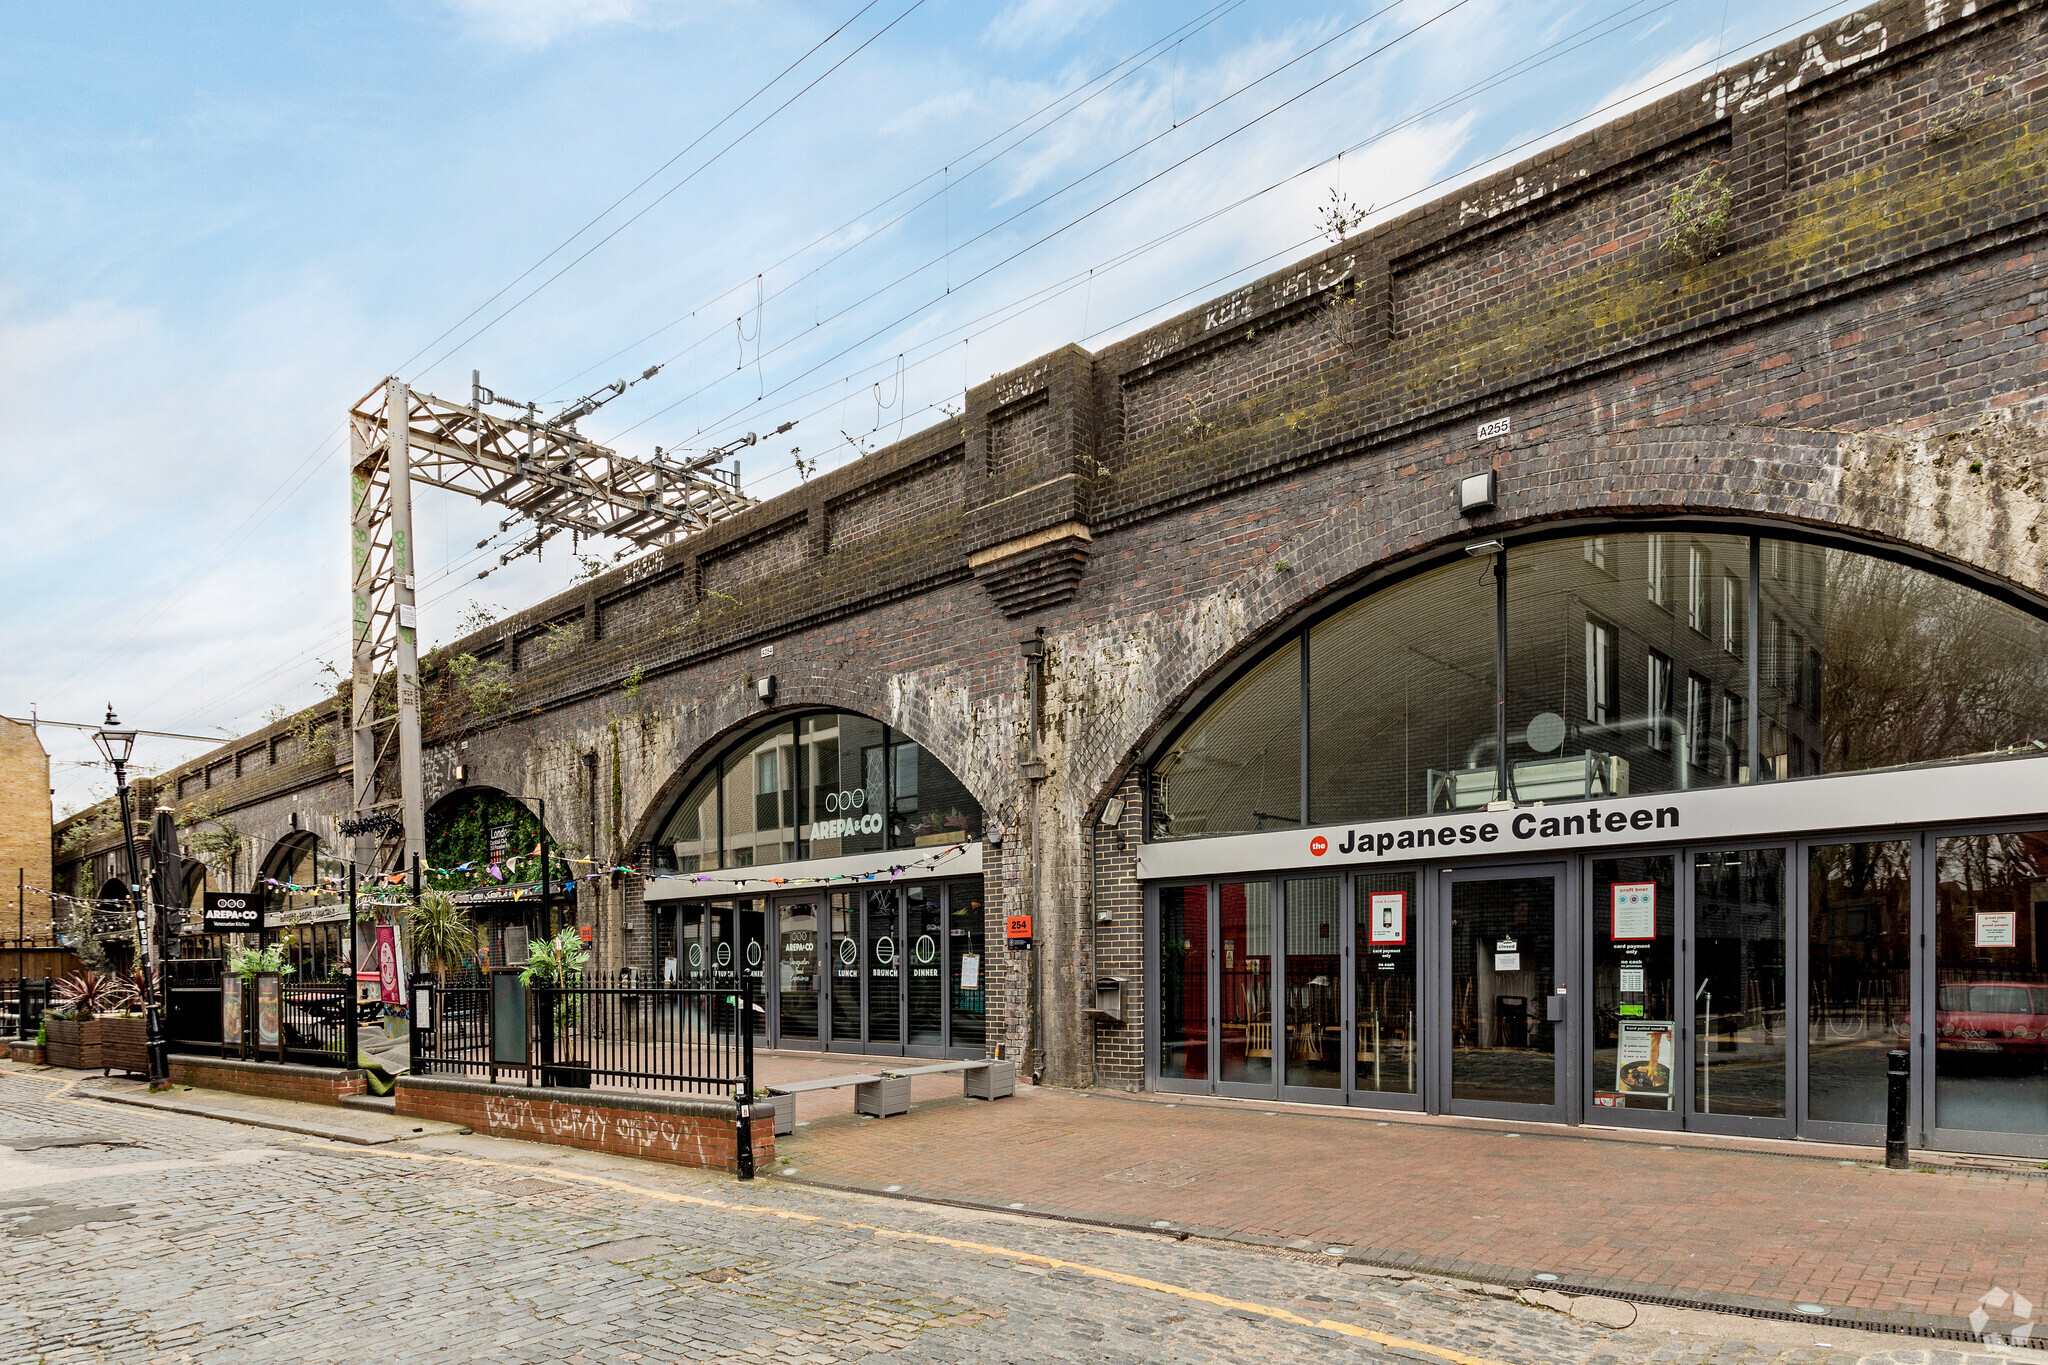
743	1105
1898	1073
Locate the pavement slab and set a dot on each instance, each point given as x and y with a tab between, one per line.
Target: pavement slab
362	1127
1647	1221
206	1241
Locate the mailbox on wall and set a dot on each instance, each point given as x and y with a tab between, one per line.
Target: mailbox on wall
1109	999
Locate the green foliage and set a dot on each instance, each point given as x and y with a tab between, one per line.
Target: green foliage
1340	217
209	845
476	618
589	566
249	963
441	931
88	994
83	834
555	961
459	831
633	680
487	688
561	637
1698	217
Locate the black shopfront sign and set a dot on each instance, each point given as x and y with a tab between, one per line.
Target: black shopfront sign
232	912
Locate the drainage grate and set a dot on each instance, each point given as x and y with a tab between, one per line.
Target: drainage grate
1833	1319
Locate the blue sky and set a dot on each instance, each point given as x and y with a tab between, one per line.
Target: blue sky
221	224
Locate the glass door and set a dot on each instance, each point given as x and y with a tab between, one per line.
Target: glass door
1386	934
1503	1016
925	918
1858	984
1740	1020
884	971
1312	970
843	976
1636	1074
968	936
796	974
753	949
1183	964
1244	1013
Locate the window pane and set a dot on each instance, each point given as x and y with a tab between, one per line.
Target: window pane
1401	699
689	841
1739	995
760	801
842	762
885	967
1387	944
1184	983
1871	664
845	969
1314	973
1239	767
1245	933
930	806
1603	663
927	966
1858	958
1634	1031
1991	992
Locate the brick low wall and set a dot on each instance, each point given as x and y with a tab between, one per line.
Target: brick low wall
683	1132
272	1080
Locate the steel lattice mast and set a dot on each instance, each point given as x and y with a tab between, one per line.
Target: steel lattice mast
544	472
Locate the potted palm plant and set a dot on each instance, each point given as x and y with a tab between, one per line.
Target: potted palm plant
441	931
555	964
72	1022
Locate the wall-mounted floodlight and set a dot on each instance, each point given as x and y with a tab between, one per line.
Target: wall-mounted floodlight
1478	492
764	688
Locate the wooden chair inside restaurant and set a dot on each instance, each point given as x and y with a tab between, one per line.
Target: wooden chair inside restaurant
1259	1038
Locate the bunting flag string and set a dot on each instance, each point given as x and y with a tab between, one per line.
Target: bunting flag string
928	863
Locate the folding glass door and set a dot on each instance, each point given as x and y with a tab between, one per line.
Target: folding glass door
1501	1020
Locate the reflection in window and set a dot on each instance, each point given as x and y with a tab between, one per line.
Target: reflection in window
842	756
1884	664
1991	983
1612	689
1739	1001
1403	682
690	837
1858	956
1239	767
1593	666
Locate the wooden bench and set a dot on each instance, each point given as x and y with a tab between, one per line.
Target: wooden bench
881	1094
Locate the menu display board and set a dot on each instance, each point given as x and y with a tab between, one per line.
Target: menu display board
1387	922
1634	912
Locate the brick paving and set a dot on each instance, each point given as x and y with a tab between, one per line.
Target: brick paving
173	1238
1699	1224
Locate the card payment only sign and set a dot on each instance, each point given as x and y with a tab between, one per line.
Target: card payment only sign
1017	930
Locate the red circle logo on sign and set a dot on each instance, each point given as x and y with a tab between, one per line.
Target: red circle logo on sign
1319	845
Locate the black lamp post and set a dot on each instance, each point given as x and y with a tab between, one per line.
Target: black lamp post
117	744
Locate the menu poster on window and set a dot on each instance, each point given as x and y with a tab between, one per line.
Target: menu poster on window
1642	1060
1635	911
1388	923
1997	928
970	972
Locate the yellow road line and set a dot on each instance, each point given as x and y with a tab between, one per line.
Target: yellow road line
1445	1353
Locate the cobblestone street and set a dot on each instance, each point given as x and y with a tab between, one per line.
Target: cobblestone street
134	1235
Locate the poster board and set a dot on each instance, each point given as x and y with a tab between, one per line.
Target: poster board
1387	919
1633	912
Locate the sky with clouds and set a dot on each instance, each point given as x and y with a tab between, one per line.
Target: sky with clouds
222	224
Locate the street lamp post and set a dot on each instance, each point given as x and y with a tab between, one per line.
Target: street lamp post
117	744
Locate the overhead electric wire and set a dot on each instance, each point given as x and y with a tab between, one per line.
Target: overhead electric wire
1451	177
1199	22
1117	160
658	199
563	245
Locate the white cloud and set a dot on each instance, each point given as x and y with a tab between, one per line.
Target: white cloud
534	24
1042	23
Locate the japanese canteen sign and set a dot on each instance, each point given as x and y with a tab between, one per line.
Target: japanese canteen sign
233	912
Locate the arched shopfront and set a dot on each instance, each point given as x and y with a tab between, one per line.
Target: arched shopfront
878	944
1659	826
307	921
484	846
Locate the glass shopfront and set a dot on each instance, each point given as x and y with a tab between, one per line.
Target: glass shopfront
1661	828
894	970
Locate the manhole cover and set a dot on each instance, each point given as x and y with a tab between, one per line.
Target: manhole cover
722	1275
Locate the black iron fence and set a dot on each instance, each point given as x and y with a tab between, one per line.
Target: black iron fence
212	1013
617	1032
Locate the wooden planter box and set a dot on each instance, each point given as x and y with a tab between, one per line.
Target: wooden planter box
124	1044
75	1043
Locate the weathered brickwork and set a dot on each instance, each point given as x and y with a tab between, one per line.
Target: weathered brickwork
24	822
681	1132
1861	353
306	1084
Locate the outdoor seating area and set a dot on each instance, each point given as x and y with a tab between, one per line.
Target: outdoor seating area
886	1092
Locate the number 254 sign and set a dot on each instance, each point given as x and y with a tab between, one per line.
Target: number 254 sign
1017	930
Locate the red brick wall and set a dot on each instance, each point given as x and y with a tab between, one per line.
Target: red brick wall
652	1130
305	1084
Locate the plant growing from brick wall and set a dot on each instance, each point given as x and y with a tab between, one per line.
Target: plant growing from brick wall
1697	217
485	688
561	637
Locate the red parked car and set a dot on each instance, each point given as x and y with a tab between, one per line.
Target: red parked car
1991	1017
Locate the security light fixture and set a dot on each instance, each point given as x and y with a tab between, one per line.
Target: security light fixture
1480	549
1031	647
1478	492
1113	811
764	687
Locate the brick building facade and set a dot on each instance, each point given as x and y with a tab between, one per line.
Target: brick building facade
1854	355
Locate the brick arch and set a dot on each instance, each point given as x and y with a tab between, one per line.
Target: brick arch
1912	498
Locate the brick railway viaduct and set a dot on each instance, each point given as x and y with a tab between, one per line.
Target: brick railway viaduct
1861	354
